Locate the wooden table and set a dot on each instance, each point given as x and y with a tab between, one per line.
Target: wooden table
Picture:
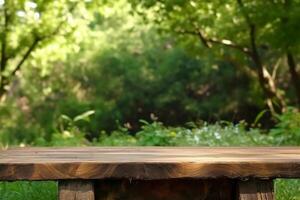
154	173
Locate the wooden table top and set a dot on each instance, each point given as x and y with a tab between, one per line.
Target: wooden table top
148	163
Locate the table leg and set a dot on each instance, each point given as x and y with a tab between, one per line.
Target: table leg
255	190
75	190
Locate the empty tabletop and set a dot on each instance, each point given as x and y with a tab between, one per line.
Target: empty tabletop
148	163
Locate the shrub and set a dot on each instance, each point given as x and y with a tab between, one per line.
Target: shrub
218	134
287	130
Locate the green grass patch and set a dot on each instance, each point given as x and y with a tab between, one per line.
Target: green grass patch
287	189
28	190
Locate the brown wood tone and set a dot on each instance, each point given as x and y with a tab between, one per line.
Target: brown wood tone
186	189
148	163
255	190
76	190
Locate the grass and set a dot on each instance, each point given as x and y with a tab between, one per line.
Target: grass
47	190
287	189
26	190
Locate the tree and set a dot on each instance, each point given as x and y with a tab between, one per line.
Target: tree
31	25
246	26
289	23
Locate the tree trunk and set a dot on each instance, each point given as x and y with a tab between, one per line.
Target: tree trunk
274	100
2	88
294	75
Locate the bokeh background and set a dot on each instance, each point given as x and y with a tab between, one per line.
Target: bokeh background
147	72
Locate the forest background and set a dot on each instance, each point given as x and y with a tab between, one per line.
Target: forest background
146	72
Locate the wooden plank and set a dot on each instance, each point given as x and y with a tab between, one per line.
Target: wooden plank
186	189
148	163
255	190
76	190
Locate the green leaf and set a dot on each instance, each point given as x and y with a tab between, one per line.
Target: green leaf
144	122
66	118
259	116
84	116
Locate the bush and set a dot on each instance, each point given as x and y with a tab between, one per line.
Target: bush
287	130
218	134
72	132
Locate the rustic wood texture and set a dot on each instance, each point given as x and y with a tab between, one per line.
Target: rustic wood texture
148	163
165	189
76	190
255	190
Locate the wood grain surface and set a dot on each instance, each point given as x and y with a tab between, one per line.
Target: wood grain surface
76	190
148	163
255	190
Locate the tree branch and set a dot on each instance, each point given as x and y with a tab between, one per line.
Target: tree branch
294	74
38	39
276	66
247	18
207	42
4	57
25	56
266	81
4	36
203	39
252	27
57	29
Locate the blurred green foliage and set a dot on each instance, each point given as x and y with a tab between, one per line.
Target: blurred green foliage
215	73
287	130
70	132
256	34
38	33
124	70
109	59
